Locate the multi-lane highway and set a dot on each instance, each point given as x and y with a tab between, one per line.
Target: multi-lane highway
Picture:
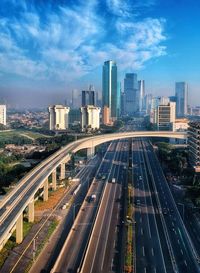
100	254
74	248
13	205
149	252
182	252
50	253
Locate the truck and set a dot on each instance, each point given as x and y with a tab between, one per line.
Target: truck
75	179
113	180
77	189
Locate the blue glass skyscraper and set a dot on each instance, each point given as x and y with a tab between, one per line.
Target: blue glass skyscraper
110	94
181	93
131	94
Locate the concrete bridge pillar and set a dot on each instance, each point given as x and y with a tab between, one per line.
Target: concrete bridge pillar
90	152
31	211
46	190
62	171
19	229
54	186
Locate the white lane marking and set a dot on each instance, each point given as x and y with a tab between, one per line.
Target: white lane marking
185	262
143	253
140	219
142	231
152	252
111	264
178	242
145	270
181	251
109	222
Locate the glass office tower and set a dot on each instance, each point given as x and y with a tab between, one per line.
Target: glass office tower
181	94
110	95
131	94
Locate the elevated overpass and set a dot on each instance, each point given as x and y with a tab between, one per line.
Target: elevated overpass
23	196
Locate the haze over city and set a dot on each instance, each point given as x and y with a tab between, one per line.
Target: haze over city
48	49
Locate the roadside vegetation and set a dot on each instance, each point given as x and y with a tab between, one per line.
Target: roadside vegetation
52	226
128	268
175	165
11	169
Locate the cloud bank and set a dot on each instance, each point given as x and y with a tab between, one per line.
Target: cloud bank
63	42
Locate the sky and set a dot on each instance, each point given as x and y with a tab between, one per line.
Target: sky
49	47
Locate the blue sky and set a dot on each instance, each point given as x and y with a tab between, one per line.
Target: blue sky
49	47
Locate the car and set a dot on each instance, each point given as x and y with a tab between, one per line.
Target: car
64	206
164	211
93	197
138	202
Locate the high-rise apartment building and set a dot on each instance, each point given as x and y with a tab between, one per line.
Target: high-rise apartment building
181	94
155	102
110	92
194	145
141	88
58	117
166	116
90	117
131	93
3	114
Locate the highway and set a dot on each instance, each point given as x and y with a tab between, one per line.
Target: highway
193	226
46	259
73	249
100	254
182	250
13	205
149	252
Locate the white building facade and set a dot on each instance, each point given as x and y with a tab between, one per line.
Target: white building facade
166	116
90	117
58	117
3	114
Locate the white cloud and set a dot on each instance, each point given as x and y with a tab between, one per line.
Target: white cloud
75	40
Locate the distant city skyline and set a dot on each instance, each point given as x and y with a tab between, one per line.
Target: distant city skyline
49	49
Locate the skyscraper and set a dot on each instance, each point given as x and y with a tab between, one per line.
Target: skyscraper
3	114
181	93
131	93
109	89
75	99
88	97
141	87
